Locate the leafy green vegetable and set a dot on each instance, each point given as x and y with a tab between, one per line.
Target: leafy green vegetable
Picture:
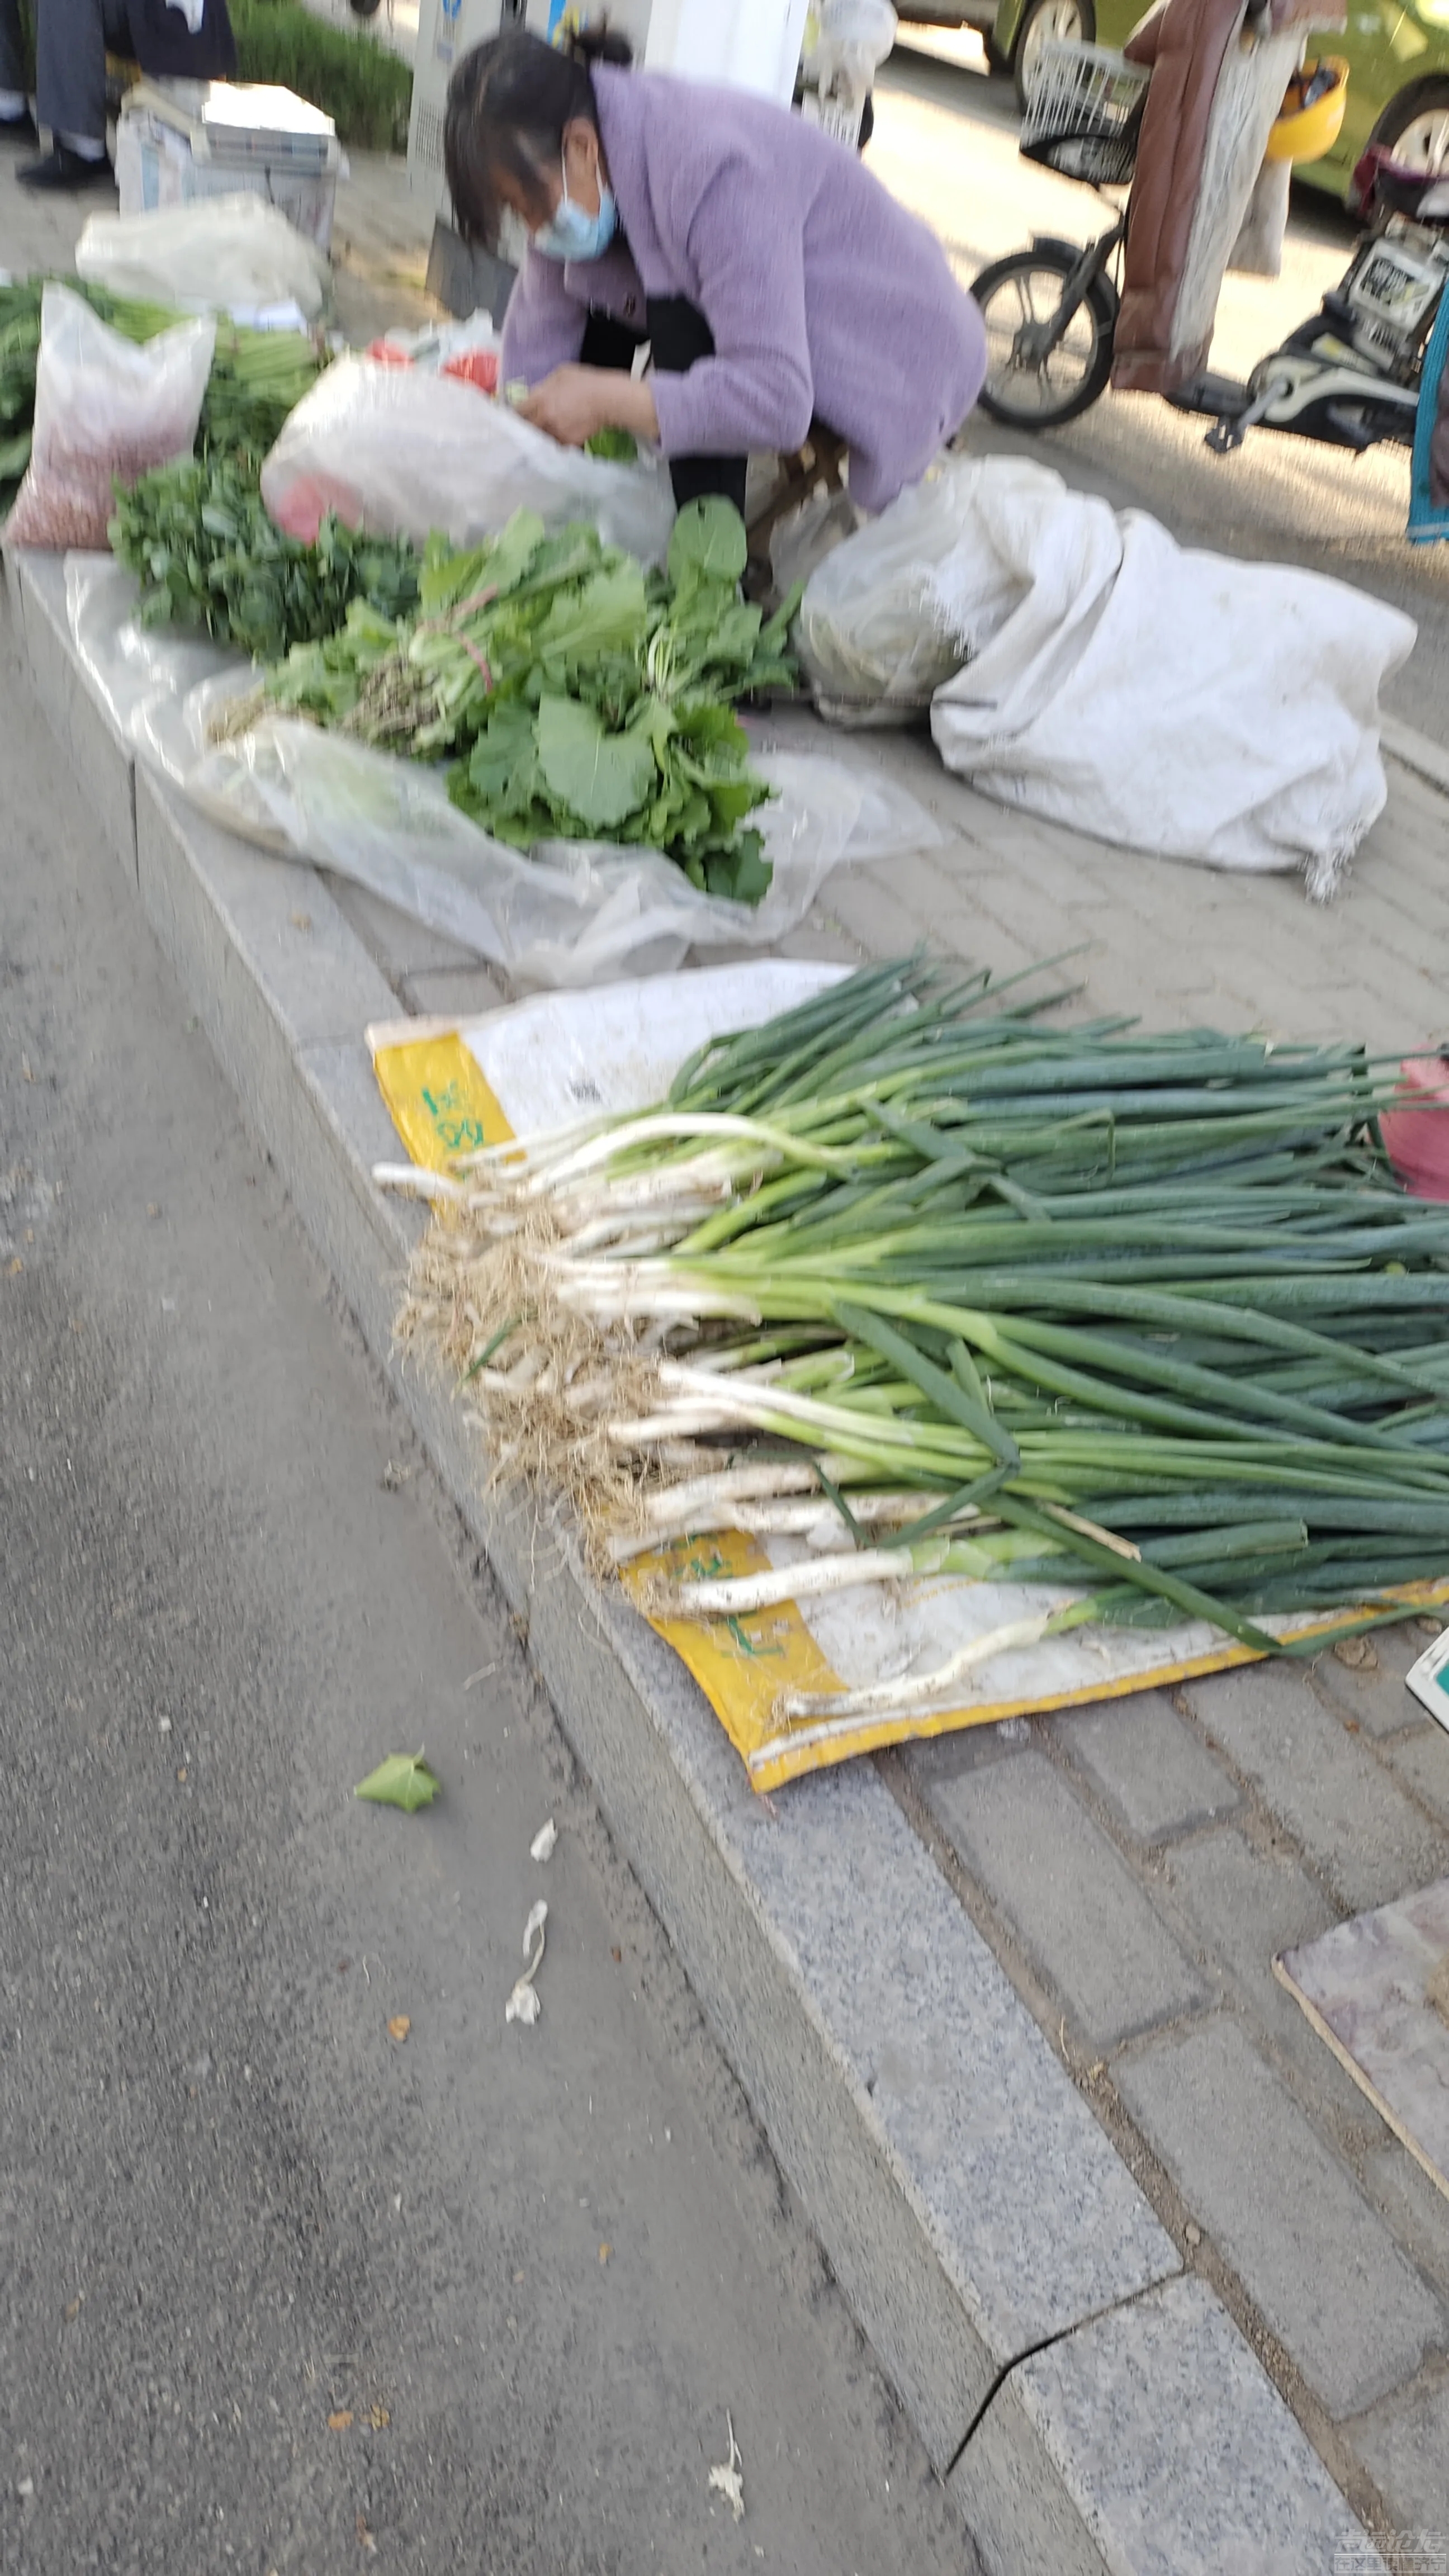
616	446
208	556
586	698
707	546
257	378
403	1780
601	777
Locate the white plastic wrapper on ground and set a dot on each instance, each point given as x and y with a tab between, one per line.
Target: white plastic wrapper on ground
570	914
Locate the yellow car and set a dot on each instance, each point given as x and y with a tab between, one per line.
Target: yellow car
1397	52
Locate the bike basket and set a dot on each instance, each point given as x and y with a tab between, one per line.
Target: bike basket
1083	112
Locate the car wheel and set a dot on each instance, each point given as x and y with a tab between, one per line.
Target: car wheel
1414	127
1071	22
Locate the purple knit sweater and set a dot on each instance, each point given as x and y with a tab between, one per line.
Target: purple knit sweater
825	298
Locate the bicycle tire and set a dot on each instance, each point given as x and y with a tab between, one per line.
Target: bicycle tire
1099	304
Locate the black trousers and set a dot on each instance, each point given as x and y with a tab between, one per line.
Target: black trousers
678	334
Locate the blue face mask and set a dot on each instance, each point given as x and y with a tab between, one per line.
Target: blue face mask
570	234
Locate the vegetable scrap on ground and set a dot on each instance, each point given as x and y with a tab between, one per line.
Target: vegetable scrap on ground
579	696
1146	1316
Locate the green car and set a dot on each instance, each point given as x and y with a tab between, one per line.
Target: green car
1398	59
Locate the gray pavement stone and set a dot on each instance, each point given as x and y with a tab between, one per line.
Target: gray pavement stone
394	941
1405	2446
75	713
1421	1761
1416	2209
949	1757
1068	1895
271	914
872	912
1249	1906
957	2071
453	993
1312	2254
1349	1814
1149	1766
1374	1695
1179	2453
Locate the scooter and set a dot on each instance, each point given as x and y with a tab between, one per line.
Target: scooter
1348	377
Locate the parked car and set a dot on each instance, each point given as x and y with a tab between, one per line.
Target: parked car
1397	52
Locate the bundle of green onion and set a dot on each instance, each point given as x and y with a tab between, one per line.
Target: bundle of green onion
1147	1318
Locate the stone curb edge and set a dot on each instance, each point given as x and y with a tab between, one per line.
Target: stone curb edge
1017	2288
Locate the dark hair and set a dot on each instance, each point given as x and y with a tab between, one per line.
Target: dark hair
508	103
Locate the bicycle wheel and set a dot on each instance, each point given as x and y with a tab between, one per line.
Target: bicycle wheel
1017	296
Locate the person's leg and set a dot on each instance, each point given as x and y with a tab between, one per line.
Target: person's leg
14	85
679	335
70	94
607	344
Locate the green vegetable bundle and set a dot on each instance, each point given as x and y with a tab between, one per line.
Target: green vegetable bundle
208	557
257	379
589	699
1143	1325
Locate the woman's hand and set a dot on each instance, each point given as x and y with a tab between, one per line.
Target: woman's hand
575	402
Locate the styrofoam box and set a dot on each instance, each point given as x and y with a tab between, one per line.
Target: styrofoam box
155	167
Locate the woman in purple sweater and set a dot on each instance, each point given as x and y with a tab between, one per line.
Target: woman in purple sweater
777	283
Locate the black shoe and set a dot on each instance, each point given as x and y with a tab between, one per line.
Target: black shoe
67	170
19	129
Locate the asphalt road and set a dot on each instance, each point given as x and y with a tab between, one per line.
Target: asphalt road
279	2291
946	143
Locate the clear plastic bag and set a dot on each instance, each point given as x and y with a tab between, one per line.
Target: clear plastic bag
870	636
106	410
216	254
572	913
401	453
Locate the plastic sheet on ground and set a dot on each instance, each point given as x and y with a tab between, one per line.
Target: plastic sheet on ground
546	1062
1148	694
570	914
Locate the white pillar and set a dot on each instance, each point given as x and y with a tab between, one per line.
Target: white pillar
749	44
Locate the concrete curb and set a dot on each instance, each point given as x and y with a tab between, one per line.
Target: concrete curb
1092	2408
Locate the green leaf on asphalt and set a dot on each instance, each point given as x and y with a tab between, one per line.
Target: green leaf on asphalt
403	1780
